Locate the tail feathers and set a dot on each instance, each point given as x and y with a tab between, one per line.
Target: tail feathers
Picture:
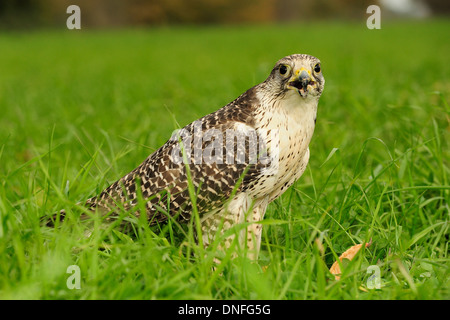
51	221
58	217
92	205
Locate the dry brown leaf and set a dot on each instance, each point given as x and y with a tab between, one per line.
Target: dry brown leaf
349	254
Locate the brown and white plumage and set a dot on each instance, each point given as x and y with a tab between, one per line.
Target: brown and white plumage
280	113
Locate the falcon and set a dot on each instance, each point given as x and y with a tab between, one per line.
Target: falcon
227	166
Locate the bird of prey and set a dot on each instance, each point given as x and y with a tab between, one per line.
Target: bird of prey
230	164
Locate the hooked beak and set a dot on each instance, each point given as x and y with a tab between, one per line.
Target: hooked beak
300	82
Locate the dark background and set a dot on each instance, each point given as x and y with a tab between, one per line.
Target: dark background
30	14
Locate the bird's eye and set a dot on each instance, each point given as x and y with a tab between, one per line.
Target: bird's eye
317	68
283	69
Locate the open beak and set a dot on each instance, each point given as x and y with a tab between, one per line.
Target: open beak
300	82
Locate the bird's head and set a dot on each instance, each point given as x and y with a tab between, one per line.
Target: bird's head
298	74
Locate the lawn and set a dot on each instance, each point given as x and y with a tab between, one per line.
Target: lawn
79	109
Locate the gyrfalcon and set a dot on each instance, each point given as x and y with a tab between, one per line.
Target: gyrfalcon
230	164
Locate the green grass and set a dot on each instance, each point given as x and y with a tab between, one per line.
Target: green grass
81	109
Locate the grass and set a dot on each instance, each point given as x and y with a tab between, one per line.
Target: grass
81	109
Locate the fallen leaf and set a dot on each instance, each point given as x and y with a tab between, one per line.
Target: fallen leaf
349	254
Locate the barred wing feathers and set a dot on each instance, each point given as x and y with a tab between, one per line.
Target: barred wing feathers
163	182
